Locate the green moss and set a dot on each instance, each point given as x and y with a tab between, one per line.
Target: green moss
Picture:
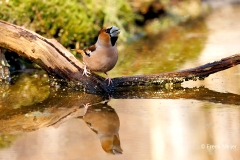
70	22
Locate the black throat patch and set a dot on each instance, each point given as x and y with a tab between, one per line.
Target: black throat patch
113	40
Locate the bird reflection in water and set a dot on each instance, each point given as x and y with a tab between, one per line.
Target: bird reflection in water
104	121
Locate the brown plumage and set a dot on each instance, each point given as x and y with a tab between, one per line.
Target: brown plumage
104	121
103	55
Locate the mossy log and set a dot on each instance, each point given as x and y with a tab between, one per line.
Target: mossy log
59	62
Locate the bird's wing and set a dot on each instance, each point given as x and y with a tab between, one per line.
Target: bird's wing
91	48
87	51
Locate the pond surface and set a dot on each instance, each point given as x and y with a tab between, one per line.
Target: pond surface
199	120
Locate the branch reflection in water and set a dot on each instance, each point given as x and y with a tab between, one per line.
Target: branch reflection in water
58	108
101	119
61	107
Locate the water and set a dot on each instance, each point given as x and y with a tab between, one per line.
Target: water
197	120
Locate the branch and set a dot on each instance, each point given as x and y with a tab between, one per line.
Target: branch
197	73
49	54
201	94
58	61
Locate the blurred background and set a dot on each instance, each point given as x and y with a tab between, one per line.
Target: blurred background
76	23
196	120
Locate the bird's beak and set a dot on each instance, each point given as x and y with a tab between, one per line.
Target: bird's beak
114	31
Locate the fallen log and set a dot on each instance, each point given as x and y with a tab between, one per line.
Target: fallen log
59	62
197	73
49	55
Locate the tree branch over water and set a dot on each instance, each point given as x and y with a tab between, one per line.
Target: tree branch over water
59	62
197	73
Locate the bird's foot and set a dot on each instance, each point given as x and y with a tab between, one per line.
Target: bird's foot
87	105
108	79
85	71
108	100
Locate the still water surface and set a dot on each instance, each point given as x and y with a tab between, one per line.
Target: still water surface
199	120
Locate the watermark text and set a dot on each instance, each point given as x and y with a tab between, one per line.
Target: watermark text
218	146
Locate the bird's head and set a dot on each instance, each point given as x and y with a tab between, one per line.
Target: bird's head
111	144
109	35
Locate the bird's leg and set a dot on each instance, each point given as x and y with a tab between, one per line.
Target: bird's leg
108	100
108	78
85	71
86	107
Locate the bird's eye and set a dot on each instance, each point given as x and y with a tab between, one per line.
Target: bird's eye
108	30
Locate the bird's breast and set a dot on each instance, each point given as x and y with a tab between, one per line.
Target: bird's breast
102	59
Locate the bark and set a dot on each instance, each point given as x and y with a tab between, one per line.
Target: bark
59	62
197	73
49	54
4	68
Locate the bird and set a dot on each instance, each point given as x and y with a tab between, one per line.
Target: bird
103	55
104	121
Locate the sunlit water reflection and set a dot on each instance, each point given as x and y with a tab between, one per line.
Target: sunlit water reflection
164	124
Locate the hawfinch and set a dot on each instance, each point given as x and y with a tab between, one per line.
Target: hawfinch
103	55
104	121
